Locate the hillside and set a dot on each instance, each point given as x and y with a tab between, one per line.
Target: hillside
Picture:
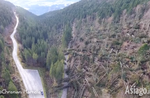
5	17
109	47
9	77
39	10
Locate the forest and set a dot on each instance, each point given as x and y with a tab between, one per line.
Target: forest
6	68
5	16
39	34
44	40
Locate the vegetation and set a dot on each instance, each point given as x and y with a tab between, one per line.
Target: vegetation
104	8
143	49
53	56
6	69
101	52
1	96
12	88
39	34
67	35
6	14
56	70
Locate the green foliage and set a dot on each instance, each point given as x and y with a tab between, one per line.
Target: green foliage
25	16
12	88
5	66
35	56
116	68
142	53
1	45
1	96
6	17
116	42
38	34
67	35
34	38
84	8
121	5
6	14
56	70
143	49
27	54
48	60
52	72
5	74
53	56
36	53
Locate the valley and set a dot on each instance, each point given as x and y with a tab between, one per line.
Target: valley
31	78
90	49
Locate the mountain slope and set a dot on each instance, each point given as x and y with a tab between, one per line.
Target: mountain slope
9	78
85	8
5	16
109	47
39	10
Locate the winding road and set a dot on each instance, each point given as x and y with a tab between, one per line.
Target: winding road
31	78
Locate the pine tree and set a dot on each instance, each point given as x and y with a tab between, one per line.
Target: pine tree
48	61
5	74
1	96
12	87
1	46
35	56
